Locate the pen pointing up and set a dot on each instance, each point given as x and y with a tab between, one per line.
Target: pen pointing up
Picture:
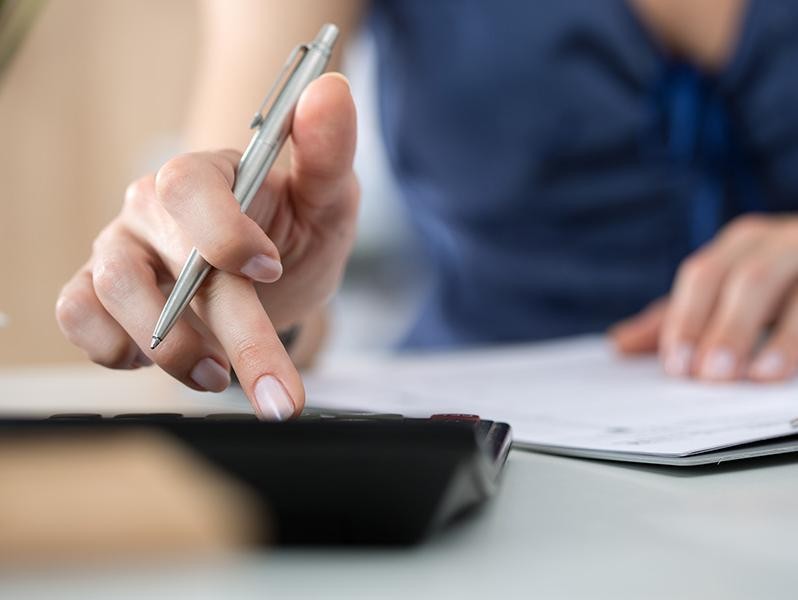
305	64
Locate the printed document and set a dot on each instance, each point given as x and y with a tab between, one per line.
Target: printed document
568	395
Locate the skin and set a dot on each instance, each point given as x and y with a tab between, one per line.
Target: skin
733	310
304	217
726	298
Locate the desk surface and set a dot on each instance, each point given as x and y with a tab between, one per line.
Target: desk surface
560	528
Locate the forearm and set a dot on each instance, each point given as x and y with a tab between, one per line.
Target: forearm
244	45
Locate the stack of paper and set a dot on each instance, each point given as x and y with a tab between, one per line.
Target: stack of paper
575	397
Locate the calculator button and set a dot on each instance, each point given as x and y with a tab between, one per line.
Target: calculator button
370	417
231	417
149	416
76	416
310	417
386	416
456	417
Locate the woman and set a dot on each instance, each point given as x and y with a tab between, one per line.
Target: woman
566	164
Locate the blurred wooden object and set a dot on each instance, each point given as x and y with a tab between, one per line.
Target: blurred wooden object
92	98
98	498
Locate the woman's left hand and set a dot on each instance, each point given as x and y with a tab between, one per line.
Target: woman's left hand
733	310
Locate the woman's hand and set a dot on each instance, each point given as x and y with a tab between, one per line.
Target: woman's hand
733	310
275	267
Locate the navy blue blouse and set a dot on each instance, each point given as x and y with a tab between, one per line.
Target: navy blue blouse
558	165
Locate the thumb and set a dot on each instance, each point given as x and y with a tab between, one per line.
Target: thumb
324	135
640	334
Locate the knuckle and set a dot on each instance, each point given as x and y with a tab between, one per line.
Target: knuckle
249	354
101	240
107	237
173	179
139	193
72	310
109	276
748	226
697	268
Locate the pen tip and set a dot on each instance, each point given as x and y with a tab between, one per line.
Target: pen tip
154	343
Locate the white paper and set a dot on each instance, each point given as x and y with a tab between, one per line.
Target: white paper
572	394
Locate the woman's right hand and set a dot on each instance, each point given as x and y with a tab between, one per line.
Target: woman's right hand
276	265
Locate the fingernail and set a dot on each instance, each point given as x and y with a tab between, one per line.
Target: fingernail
718	364
210	375
274	403
770	364
263	268
678	359
340	76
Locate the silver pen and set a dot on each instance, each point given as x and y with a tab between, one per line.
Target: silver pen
271	131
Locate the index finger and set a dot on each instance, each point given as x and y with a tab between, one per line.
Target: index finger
230	307
196	191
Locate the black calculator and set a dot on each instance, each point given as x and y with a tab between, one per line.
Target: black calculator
333	477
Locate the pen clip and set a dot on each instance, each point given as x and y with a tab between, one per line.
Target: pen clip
258	118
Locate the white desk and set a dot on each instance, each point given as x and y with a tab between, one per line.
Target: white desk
560	528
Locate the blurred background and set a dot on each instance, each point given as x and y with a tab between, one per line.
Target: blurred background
79	121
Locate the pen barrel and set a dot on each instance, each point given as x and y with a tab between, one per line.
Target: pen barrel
252	172
193	273
272	133
255	164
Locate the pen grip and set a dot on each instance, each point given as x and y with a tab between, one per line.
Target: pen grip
271	133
